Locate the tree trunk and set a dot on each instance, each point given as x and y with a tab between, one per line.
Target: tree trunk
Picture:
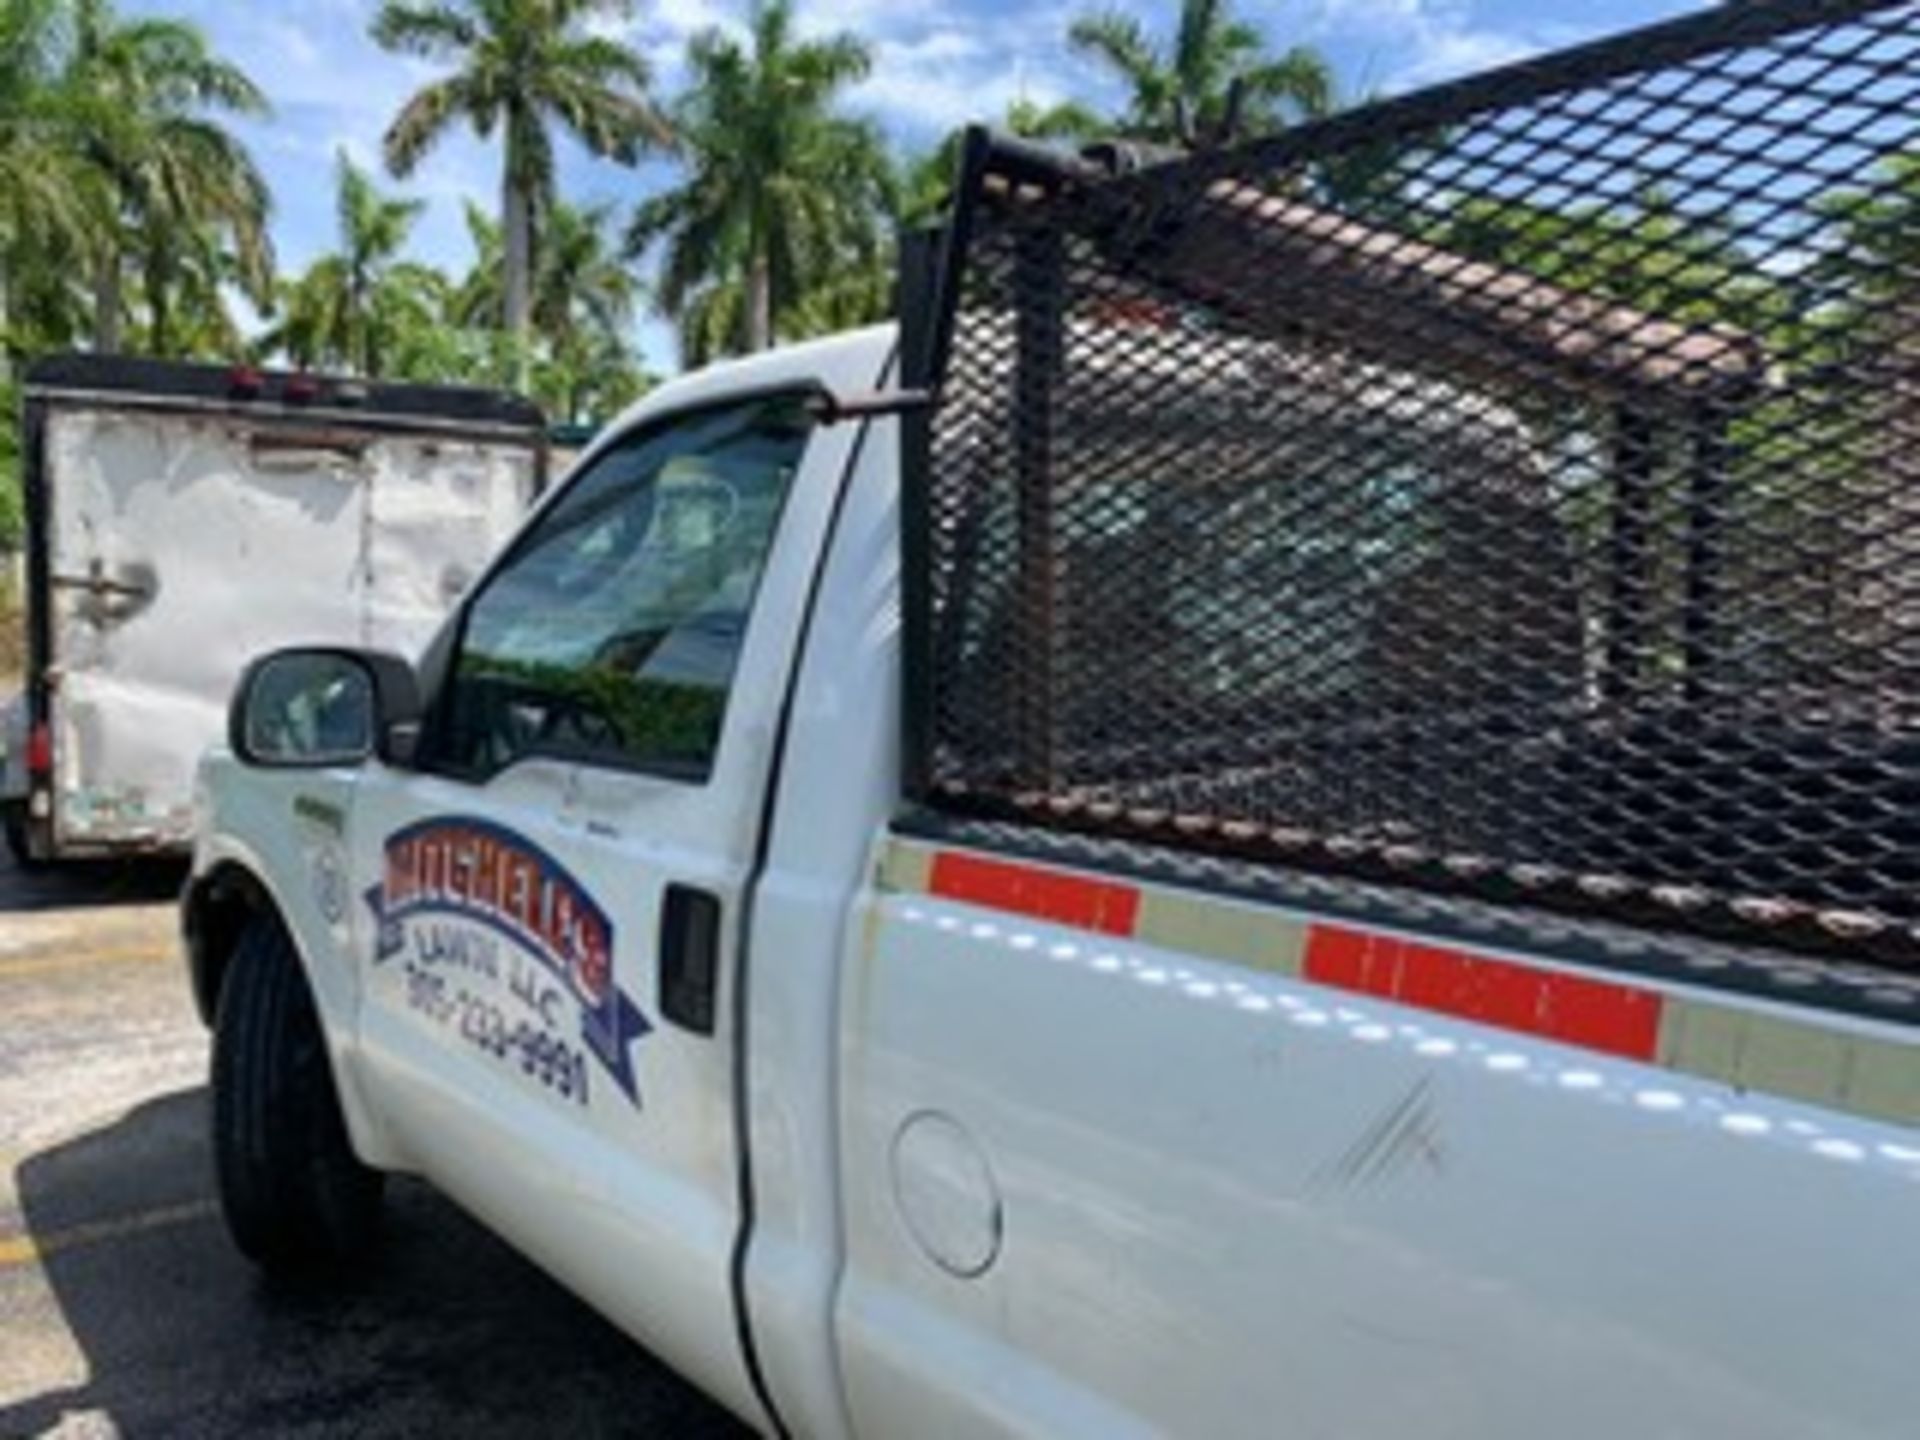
159	302
106	299
359	326
759	304
516	229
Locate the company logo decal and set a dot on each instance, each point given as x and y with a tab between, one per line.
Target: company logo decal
452	889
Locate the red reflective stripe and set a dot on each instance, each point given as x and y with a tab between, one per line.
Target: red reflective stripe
1100	905
1593	1014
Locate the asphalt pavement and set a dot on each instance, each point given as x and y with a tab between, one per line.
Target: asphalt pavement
125	1312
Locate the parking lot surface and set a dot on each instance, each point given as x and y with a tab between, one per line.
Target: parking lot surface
123	1309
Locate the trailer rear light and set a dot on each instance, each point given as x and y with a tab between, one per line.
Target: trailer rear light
301	389
40	750
245	382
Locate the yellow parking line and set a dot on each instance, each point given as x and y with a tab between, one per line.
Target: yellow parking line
80	960
30	1249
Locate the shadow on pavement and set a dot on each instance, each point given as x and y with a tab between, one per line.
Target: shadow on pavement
72	884
447	1332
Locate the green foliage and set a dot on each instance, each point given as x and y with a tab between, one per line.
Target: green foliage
129	215
352	309
927	179
12	517
603	708
783	195
522	67
128	212
365	310
1179	91
1647	254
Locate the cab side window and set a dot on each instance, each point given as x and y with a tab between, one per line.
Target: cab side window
611	632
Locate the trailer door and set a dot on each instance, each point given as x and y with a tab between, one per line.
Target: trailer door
180	545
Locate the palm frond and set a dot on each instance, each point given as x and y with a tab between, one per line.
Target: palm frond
430	31
424	119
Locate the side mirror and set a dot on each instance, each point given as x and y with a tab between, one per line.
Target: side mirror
314	708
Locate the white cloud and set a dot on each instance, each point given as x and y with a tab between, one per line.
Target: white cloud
1446	53
936	75
663	28
1404	44
927	85
930	70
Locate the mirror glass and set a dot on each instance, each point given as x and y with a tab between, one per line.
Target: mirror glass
309	707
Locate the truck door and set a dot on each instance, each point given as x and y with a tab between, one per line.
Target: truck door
553	896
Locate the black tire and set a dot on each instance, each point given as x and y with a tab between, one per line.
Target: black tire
13	820
295	1196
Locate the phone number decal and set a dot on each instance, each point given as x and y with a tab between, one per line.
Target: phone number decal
545	1057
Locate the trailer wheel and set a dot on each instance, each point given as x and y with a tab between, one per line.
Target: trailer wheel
13	819
294	1195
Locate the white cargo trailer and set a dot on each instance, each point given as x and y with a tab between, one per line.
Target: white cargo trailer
183	517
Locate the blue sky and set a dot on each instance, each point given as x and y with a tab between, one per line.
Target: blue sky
937	64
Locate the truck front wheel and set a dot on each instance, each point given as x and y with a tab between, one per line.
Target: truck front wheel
294	1194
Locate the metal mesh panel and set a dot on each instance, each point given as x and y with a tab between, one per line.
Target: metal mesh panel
1513	488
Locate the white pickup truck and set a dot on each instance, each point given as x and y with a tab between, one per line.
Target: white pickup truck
963	882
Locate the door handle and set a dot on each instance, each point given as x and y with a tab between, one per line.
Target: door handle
106	599
689	957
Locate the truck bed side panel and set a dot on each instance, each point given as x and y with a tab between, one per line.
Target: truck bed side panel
1117	1162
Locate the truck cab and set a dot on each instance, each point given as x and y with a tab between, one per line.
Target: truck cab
482	902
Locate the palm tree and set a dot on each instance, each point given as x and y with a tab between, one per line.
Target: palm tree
583	304
590	375
142	99
181	285
782	192
43	199
522	67
581	283
350	307
1215	77
478	300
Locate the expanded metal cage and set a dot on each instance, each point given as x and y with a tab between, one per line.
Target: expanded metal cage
1510	488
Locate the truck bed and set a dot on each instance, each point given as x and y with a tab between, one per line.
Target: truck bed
1449	495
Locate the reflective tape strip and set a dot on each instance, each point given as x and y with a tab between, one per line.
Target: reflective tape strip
1792	1058
1104	906
1593	1014
1819	1059
1229	930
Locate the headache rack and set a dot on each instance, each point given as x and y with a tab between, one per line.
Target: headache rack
1511	489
